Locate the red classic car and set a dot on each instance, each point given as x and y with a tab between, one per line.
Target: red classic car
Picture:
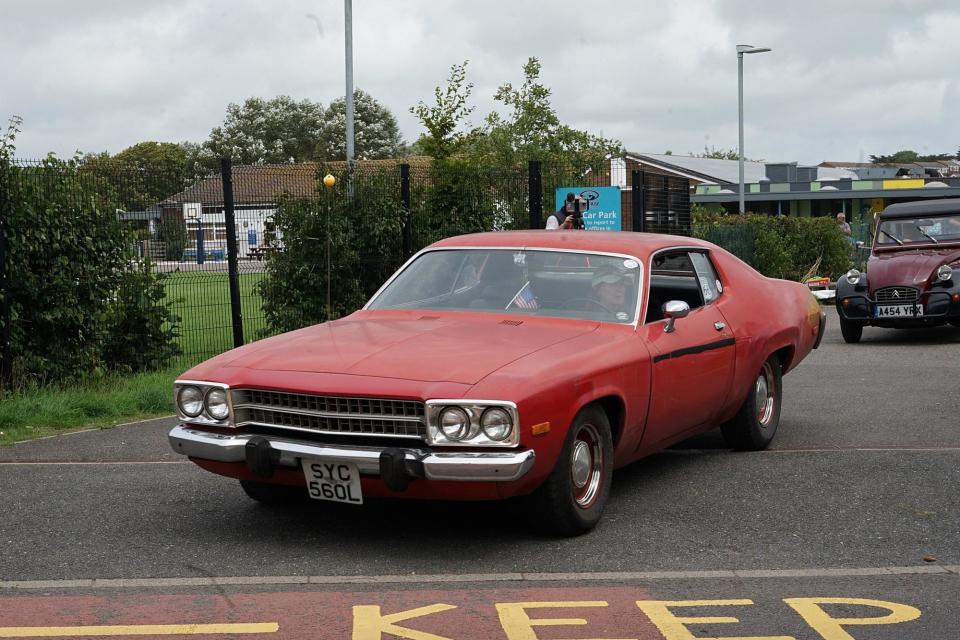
913	273
506	364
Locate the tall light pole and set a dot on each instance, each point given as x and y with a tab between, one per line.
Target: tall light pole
348	40
741	49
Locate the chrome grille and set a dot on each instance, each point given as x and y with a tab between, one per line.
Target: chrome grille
329	414
896	294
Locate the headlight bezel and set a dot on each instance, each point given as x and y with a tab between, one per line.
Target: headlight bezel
204	416
474	410
853	276
225	403
944	273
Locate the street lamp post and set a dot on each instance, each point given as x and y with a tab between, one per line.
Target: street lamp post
742	49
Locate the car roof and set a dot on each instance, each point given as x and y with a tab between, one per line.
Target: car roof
921	208
630	243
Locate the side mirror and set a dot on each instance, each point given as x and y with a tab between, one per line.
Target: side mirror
673	310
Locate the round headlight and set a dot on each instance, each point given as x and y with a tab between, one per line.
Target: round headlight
216	404
853	276
944	273
190	401
496	423
454	423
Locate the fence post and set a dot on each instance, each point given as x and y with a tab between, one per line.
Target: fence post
535	189
637	194
6	355
407	238
236	315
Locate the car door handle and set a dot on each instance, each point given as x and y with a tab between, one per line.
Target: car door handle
719	326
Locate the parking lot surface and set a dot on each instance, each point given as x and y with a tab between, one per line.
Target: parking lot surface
857	499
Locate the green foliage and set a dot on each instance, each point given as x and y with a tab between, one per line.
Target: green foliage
779	247
337	250
266	132
376	133
141	329
173	233
906	156
444	120
34	411
139	176
70	270
529	130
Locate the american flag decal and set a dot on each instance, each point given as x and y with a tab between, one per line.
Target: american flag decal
524	299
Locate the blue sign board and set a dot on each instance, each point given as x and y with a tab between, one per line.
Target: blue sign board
602	211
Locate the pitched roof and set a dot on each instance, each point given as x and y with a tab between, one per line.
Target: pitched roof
264	184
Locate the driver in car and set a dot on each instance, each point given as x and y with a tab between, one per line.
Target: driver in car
610	289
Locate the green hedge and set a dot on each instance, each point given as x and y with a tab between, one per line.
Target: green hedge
81	303
779	247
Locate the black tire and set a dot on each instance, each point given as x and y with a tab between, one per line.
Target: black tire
756	422
269	493
851	331
571	500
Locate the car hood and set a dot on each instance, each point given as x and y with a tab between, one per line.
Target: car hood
908	268
424	347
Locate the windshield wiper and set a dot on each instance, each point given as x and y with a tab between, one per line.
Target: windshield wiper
920	229
892	237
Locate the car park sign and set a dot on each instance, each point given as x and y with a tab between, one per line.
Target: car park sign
602	212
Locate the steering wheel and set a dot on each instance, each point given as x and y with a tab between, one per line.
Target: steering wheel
568	304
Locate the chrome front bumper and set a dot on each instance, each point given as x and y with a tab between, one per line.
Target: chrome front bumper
464	466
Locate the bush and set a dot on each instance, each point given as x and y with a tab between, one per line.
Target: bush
358	239
71	276
779	247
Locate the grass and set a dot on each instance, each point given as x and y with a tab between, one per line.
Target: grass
202	300
42	411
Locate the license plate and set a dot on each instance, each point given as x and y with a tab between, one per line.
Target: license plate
898	311
332	480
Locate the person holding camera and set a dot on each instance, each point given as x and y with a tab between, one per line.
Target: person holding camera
569	216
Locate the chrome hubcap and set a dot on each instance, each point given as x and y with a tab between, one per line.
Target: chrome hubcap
586	466
764	395
581	464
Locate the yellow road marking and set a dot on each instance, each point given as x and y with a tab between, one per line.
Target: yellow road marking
139	630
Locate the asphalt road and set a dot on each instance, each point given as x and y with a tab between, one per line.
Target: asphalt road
857	498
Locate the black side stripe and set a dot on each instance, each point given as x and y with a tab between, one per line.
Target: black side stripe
686	351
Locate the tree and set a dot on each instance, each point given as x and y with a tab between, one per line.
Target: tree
721	154
260	131
444	120
141	175
906	156
376	133
532	130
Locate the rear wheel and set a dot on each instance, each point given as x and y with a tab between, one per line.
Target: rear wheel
269	493
571	500
755	424
851	330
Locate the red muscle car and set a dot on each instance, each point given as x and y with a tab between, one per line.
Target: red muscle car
913	273
506	364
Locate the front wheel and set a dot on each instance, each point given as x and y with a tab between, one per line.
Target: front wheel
571	500
851	331
755	424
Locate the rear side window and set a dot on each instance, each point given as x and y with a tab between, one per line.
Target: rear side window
707	277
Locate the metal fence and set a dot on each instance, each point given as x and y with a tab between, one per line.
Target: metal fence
215	238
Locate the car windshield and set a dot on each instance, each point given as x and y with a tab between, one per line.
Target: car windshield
523	282
935	229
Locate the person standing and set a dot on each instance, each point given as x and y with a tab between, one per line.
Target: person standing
843	225
561	219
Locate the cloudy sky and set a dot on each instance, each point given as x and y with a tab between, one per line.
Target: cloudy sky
844	80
